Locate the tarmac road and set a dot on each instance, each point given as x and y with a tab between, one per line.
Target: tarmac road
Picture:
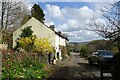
76	68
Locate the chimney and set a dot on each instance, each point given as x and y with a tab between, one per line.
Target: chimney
52	27
59	32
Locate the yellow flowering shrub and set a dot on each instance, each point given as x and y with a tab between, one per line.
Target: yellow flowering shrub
26	43
42	45
26	39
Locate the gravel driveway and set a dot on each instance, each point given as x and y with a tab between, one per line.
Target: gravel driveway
76	68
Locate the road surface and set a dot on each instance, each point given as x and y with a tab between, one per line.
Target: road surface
76	68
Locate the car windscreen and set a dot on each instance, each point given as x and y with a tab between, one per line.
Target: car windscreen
105	53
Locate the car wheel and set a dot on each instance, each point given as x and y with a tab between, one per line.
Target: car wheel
90	62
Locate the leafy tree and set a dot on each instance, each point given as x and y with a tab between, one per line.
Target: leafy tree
85	50
103	45
37	12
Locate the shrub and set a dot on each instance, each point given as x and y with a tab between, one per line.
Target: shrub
26	43
85	50
26	40
6	37
21	66
68	51
26	32
42	45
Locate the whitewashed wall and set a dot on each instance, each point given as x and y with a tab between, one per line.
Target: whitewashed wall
57	41
38	28
60	41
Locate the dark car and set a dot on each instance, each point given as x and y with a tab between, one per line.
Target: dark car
100	55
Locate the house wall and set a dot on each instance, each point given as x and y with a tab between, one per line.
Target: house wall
60	41
39	29
57	41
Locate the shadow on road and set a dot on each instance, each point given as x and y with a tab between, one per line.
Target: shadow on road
75	69
78	56
87	66
81	72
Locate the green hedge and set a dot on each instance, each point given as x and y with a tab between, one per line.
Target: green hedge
85	50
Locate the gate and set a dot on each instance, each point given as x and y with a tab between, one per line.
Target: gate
106	66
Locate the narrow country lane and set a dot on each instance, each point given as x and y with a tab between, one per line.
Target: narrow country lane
76	68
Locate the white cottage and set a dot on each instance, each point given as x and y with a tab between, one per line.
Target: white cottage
42	31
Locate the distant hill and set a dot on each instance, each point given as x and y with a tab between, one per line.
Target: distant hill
75	46
78	43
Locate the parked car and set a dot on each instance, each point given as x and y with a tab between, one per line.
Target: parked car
99	55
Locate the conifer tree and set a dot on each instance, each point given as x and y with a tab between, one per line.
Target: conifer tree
38	13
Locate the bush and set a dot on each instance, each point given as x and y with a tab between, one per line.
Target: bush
6	38
68	51
42	45
26	40
26	43
85	50
27	32
21	66
29	42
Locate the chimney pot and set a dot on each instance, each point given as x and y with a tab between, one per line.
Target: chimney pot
52	27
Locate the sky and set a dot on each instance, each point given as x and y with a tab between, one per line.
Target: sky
71	18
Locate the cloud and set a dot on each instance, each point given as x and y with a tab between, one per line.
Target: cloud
72	21
70	0
70	25
86	12
60	0
53	11
82	36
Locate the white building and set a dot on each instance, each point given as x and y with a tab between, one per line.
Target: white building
39	29
60	41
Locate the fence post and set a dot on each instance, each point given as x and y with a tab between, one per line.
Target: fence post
101	70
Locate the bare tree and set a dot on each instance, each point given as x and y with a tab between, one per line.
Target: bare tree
11	17
12	14
110	29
